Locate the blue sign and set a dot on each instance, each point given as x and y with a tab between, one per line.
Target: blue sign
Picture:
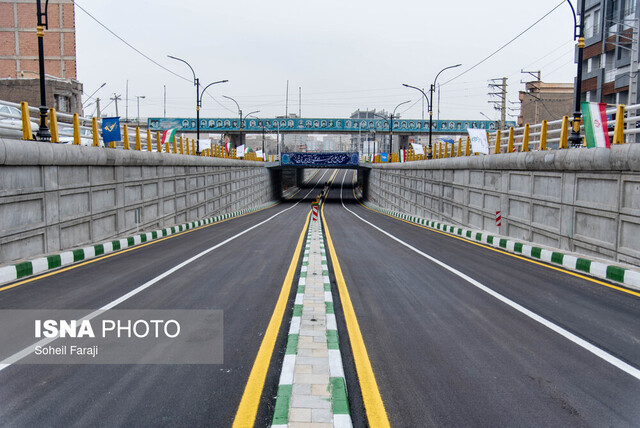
111	129
319	159
384	157
402	126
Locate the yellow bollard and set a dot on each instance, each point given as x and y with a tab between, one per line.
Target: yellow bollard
168	147
188	151
95	134
53	126
564	133
27	134
497	146
439	150
618	130
148	140
138	142
467	148
175	145
459	147
525	138
453	147
510	140
76	129
193	147
126	137
543	136
159	141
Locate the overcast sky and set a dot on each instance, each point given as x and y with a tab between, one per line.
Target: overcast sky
344	55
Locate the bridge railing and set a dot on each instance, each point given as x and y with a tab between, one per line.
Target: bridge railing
623	125
77	130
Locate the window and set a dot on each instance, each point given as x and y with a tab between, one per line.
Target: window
629	7
592	23
63	104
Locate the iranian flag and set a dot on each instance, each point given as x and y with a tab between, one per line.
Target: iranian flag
595	124
401	155
169	135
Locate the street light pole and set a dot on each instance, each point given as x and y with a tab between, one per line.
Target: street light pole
196	83
239	113
391	127
431	89
429	154
578	33
43	131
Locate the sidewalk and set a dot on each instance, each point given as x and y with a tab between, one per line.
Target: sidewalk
312	389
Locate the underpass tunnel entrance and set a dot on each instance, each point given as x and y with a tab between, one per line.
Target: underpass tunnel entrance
285	178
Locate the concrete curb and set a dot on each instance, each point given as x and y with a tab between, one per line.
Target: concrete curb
21	270
289	381
598	268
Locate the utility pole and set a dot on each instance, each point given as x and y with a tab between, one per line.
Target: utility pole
286	103
98	108
126	103
500	91
538	76
116	98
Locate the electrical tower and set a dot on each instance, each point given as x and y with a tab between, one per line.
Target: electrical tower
499	91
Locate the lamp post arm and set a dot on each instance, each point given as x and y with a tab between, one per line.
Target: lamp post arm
188	65
210	84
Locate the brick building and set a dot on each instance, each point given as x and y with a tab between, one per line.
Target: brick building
19	54
545	101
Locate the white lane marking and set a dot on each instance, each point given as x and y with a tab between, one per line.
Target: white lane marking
29	349
616	362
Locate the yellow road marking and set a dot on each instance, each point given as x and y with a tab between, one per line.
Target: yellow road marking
248	408
497	250
374	406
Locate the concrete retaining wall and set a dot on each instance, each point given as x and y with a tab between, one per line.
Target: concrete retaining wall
585	201
55	197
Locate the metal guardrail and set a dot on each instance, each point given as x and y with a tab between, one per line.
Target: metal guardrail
77	130
623	128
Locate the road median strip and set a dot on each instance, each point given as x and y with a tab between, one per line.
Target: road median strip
312	387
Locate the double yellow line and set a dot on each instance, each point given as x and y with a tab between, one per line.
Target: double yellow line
248	408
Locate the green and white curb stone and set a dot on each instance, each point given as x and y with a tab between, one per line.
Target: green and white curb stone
21	270
312	389
599	269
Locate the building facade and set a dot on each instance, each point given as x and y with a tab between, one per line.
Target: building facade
610	57
545	101
19	54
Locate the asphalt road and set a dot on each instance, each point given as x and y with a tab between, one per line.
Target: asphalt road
243	278
445	352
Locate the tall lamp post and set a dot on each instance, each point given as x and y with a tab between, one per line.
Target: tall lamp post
43	22
239	114
391	123
430	102
242	122
578	33
196	83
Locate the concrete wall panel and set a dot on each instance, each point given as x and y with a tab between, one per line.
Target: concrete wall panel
56	197
577	200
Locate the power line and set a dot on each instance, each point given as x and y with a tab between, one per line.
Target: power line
505	45
130	45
